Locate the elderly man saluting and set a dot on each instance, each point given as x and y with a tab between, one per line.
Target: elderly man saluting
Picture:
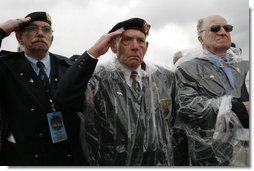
127	105
33	130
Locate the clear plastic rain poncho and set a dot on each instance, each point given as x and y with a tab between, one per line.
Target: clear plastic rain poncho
204	109
118	129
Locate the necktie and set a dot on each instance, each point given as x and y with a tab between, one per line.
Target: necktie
42	75
227	70
135	84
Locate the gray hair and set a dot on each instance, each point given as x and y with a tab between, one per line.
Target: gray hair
199	25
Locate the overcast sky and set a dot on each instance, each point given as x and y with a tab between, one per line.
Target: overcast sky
77	24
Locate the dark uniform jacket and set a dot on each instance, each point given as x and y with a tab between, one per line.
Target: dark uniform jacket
210	110
24	105
118	128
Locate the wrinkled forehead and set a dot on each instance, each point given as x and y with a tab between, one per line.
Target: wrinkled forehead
39	23
214	20
133	33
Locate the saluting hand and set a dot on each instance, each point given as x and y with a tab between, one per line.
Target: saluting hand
103	44
13	25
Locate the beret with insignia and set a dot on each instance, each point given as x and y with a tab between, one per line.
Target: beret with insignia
133	23
37	16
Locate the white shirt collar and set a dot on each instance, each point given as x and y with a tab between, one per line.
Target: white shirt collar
127	73
45	61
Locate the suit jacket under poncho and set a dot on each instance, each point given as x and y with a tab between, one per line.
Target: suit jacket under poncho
207	113
124	130
118	129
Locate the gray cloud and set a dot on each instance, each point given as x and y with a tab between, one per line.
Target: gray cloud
78	24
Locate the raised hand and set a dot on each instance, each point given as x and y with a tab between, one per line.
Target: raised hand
13	25
103	44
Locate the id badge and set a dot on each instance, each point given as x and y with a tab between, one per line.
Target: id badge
56	127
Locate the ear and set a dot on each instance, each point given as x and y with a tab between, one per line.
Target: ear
113	46
19	37
52	39
200	39
147	43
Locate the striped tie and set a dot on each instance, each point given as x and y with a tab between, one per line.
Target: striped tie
42	75
135	84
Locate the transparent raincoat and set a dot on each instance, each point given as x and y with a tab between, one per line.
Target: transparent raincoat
118	129
204	98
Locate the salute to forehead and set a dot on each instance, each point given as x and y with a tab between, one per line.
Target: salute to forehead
37	16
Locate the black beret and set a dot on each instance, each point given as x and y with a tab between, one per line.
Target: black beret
133	23
37	16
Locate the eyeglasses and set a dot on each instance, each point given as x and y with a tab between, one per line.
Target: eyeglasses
35	29
216	28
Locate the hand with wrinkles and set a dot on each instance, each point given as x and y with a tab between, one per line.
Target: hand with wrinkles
103	44
13	25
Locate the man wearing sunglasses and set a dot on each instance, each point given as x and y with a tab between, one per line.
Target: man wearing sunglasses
212	99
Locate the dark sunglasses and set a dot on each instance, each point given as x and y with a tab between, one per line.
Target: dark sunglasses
216	28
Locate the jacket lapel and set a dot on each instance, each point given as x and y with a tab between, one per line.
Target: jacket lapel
28	79
59	65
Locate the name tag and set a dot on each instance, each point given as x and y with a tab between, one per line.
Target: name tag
56	127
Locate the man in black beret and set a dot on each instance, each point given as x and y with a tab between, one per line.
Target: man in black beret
28	81
127	107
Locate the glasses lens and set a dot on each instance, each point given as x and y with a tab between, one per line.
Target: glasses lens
228	28
215	28
31	28
35	29
47	29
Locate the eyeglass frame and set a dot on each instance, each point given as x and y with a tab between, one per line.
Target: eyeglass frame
34	28
216	28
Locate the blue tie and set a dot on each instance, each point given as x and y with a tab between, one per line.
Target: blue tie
222	64
227	70
42	75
